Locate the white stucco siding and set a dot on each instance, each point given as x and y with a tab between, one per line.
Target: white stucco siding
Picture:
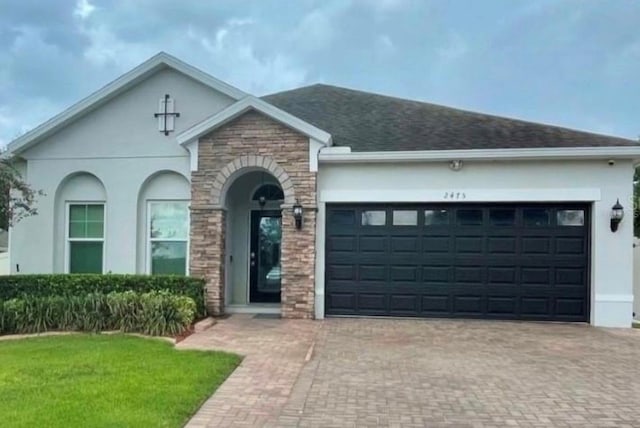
37	243
119	143
592	181
126	127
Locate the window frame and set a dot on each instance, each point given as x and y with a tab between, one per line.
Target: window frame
148	239
68	239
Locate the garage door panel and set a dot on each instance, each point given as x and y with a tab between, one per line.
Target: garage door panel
342	301
570	276
535	275
403	303
466	305
502	245
436	304
436	244
570	307
436	274
341	272
571	245
469	244
501	275
372	244
372	273
341	243
502	305
372	301
404	244
535	306
503	261
470	274
536	245
404	273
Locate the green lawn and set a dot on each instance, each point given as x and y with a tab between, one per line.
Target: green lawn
104	381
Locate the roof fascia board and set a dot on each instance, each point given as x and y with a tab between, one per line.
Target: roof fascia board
252	103
114	88
616	152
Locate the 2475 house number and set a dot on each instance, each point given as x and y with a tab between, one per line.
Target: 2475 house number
455	196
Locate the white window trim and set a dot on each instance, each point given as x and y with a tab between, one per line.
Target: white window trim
147	235
68	239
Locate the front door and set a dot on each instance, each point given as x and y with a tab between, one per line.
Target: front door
264	258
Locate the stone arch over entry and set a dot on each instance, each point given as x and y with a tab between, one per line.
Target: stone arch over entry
243	164
253	142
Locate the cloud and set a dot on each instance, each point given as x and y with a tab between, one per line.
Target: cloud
232	49
83	9
454	48
386	6
562	62
384	44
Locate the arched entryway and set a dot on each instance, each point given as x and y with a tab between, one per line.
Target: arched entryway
248	145
254	241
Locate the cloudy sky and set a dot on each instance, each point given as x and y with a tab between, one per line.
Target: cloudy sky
574	63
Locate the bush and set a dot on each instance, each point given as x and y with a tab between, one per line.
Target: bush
157	313
67	285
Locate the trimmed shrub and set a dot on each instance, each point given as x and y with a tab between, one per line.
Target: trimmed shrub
22	286
157	313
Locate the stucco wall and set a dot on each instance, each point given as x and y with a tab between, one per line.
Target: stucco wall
636	278
593	181
119	143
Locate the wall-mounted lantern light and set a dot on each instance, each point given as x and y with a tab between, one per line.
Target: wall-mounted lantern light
617	213
297	214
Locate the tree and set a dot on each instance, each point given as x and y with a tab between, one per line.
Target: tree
17	198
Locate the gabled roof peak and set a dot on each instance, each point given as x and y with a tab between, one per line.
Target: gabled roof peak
101	96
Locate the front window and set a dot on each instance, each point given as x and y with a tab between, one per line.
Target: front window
85	238
168	237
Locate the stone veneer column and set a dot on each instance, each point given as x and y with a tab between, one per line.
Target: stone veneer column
298	264
206	253
252	142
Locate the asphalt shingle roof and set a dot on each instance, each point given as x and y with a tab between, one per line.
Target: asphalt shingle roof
372	122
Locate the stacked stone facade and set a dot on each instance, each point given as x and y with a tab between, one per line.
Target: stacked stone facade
254	141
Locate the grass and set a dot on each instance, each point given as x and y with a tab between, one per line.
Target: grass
105	381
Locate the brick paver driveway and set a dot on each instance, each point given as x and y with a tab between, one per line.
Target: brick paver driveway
450	373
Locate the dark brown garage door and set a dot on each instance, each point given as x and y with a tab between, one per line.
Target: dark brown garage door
525	261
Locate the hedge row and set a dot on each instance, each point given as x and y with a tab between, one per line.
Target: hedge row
157	313
21	286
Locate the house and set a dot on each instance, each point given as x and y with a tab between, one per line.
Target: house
324	201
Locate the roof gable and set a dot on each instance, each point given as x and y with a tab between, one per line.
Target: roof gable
112	90
252	103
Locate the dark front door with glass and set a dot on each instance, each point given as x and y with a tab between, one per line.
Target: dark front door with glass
264	256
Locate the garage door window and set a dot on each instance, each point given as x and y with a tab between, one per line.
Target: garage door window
374	218
536	217
343	218
469	217
570	218
405	218
502	217
436	217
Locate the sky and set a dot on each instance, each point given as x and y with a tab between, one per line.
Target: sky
573	63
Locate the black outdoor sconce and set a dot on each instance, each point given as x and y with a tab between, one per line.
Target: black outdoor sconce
617	213
297	214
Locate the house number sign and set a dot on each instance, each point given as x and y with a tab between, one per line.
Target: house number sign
456	196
